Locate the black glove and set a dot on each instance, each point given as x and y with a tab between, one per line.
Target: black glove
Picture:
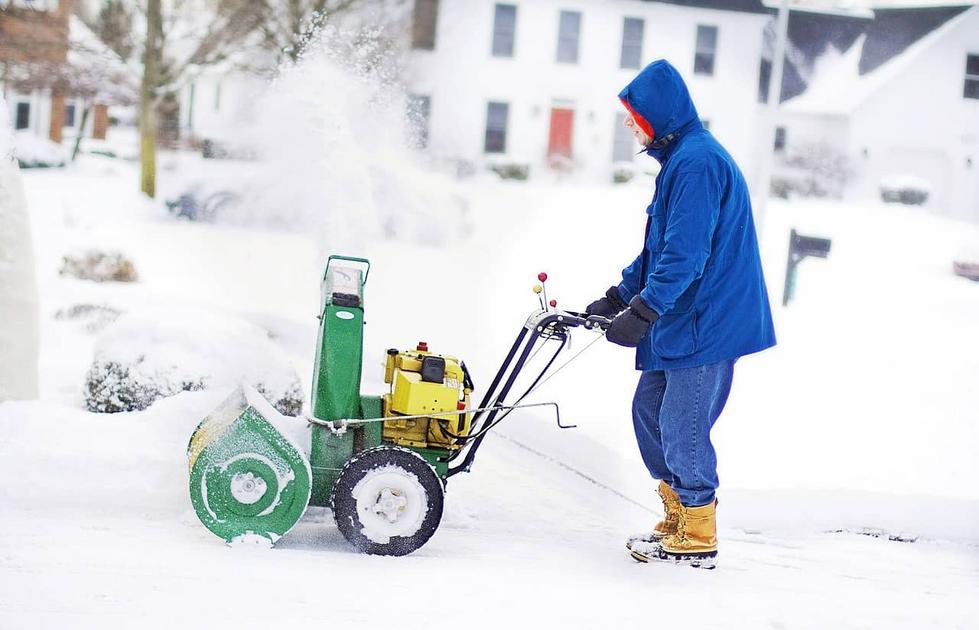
609	306
629	328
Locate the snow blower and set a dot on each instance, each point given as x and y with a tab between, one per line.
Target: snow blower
381	463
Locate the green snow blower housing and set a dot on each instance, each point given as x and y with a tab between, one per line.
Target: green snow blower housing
380	462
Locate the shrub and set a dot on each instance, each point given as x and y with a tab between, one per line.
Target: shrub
810	170
511	170
145	356
34	151
99	266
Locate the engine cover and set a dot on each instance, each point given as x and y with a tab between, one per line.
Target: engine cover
424	383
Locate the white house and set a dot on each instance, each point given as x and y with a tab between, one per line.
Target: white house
54	69
535	82
916	114
217	100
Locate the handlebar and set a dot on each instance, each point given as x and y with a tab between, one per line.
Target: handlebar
554	320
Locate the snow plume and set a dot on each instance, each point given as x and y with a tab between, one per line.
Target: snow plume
337	150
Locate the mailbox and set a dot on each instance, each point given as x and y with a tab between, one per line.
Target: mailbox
799	247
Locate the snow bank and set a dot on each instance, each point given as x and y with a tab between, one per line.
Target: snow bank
19	326
148	355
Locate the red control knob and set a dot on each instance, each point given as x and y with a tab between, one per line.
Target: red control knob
422	346
553	303
542	277
460	405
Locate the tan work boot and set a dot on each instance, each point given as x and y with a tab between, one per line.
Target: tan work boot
667	526
693	543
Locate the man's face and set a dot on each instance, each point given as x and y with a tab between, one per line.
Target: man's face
640	135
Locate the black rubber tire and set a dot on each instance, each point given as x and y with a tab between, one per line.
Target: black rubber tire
345	505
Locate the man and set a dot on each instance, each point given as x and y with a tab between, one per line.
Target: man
692	302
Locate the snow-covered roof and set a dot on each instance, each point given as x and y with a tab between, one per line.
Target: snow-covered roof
838	87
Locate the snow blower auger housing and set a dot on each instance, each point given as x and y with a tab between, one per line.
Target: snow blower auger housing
380	462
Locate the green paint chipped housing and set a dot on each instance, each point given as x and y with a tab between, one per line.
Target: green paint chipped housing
337	373
246	478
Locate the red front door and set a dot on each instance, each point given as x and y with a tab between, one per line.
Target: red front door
562	122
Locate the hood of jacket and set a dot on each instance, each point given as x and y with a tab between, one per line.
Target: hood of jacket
659	101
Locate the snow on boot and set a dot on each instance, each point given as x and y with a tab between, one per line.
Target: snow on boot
694	543
667	526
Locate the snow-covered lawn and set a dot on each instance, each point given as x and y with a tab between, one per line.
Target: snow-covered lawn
860	426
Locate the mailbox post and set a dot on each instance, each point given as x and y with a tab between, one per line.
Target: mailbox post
799	247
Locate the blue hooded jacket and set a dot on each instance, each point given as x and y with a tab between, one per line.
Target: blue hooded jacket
700	268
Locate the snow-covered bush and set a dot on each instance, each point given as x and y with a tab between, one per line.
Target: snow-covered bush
99	266
811	170
33	151
906	189
511	170
93	318
145	356
625	172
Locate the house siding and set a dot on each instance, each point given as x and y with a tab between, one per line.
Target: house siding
462	73
919	123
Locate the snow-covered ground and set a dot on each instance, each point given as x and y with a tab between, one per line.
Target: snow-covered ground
859	427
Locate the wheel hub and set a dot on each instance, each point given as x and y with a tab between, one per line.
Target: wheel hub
247	488
390	504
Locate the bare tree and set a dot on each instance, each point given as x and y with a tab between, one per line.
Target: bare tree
184	36
113	24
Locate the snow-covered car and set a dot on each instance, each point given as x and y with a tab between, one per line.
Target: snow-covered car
907	189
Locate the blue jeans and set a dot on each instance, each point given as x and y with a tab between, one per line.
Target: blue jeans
673	412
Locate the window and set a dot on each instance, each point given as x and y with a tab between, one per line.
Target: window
504	29
418	117
780	138
624	146
70	115
23	117
496	123
423	21
632	29
703	60
971	76
567	38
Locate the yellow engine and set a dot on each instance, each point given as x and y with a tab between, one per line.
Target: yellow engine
424	383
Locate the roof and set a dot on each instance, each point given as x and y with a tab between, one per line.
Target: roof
741	6
824	7
819	26
840	84
894	30
811	34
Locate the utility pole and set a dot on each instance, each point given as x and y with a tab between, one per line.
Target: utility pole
771	112
152	53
